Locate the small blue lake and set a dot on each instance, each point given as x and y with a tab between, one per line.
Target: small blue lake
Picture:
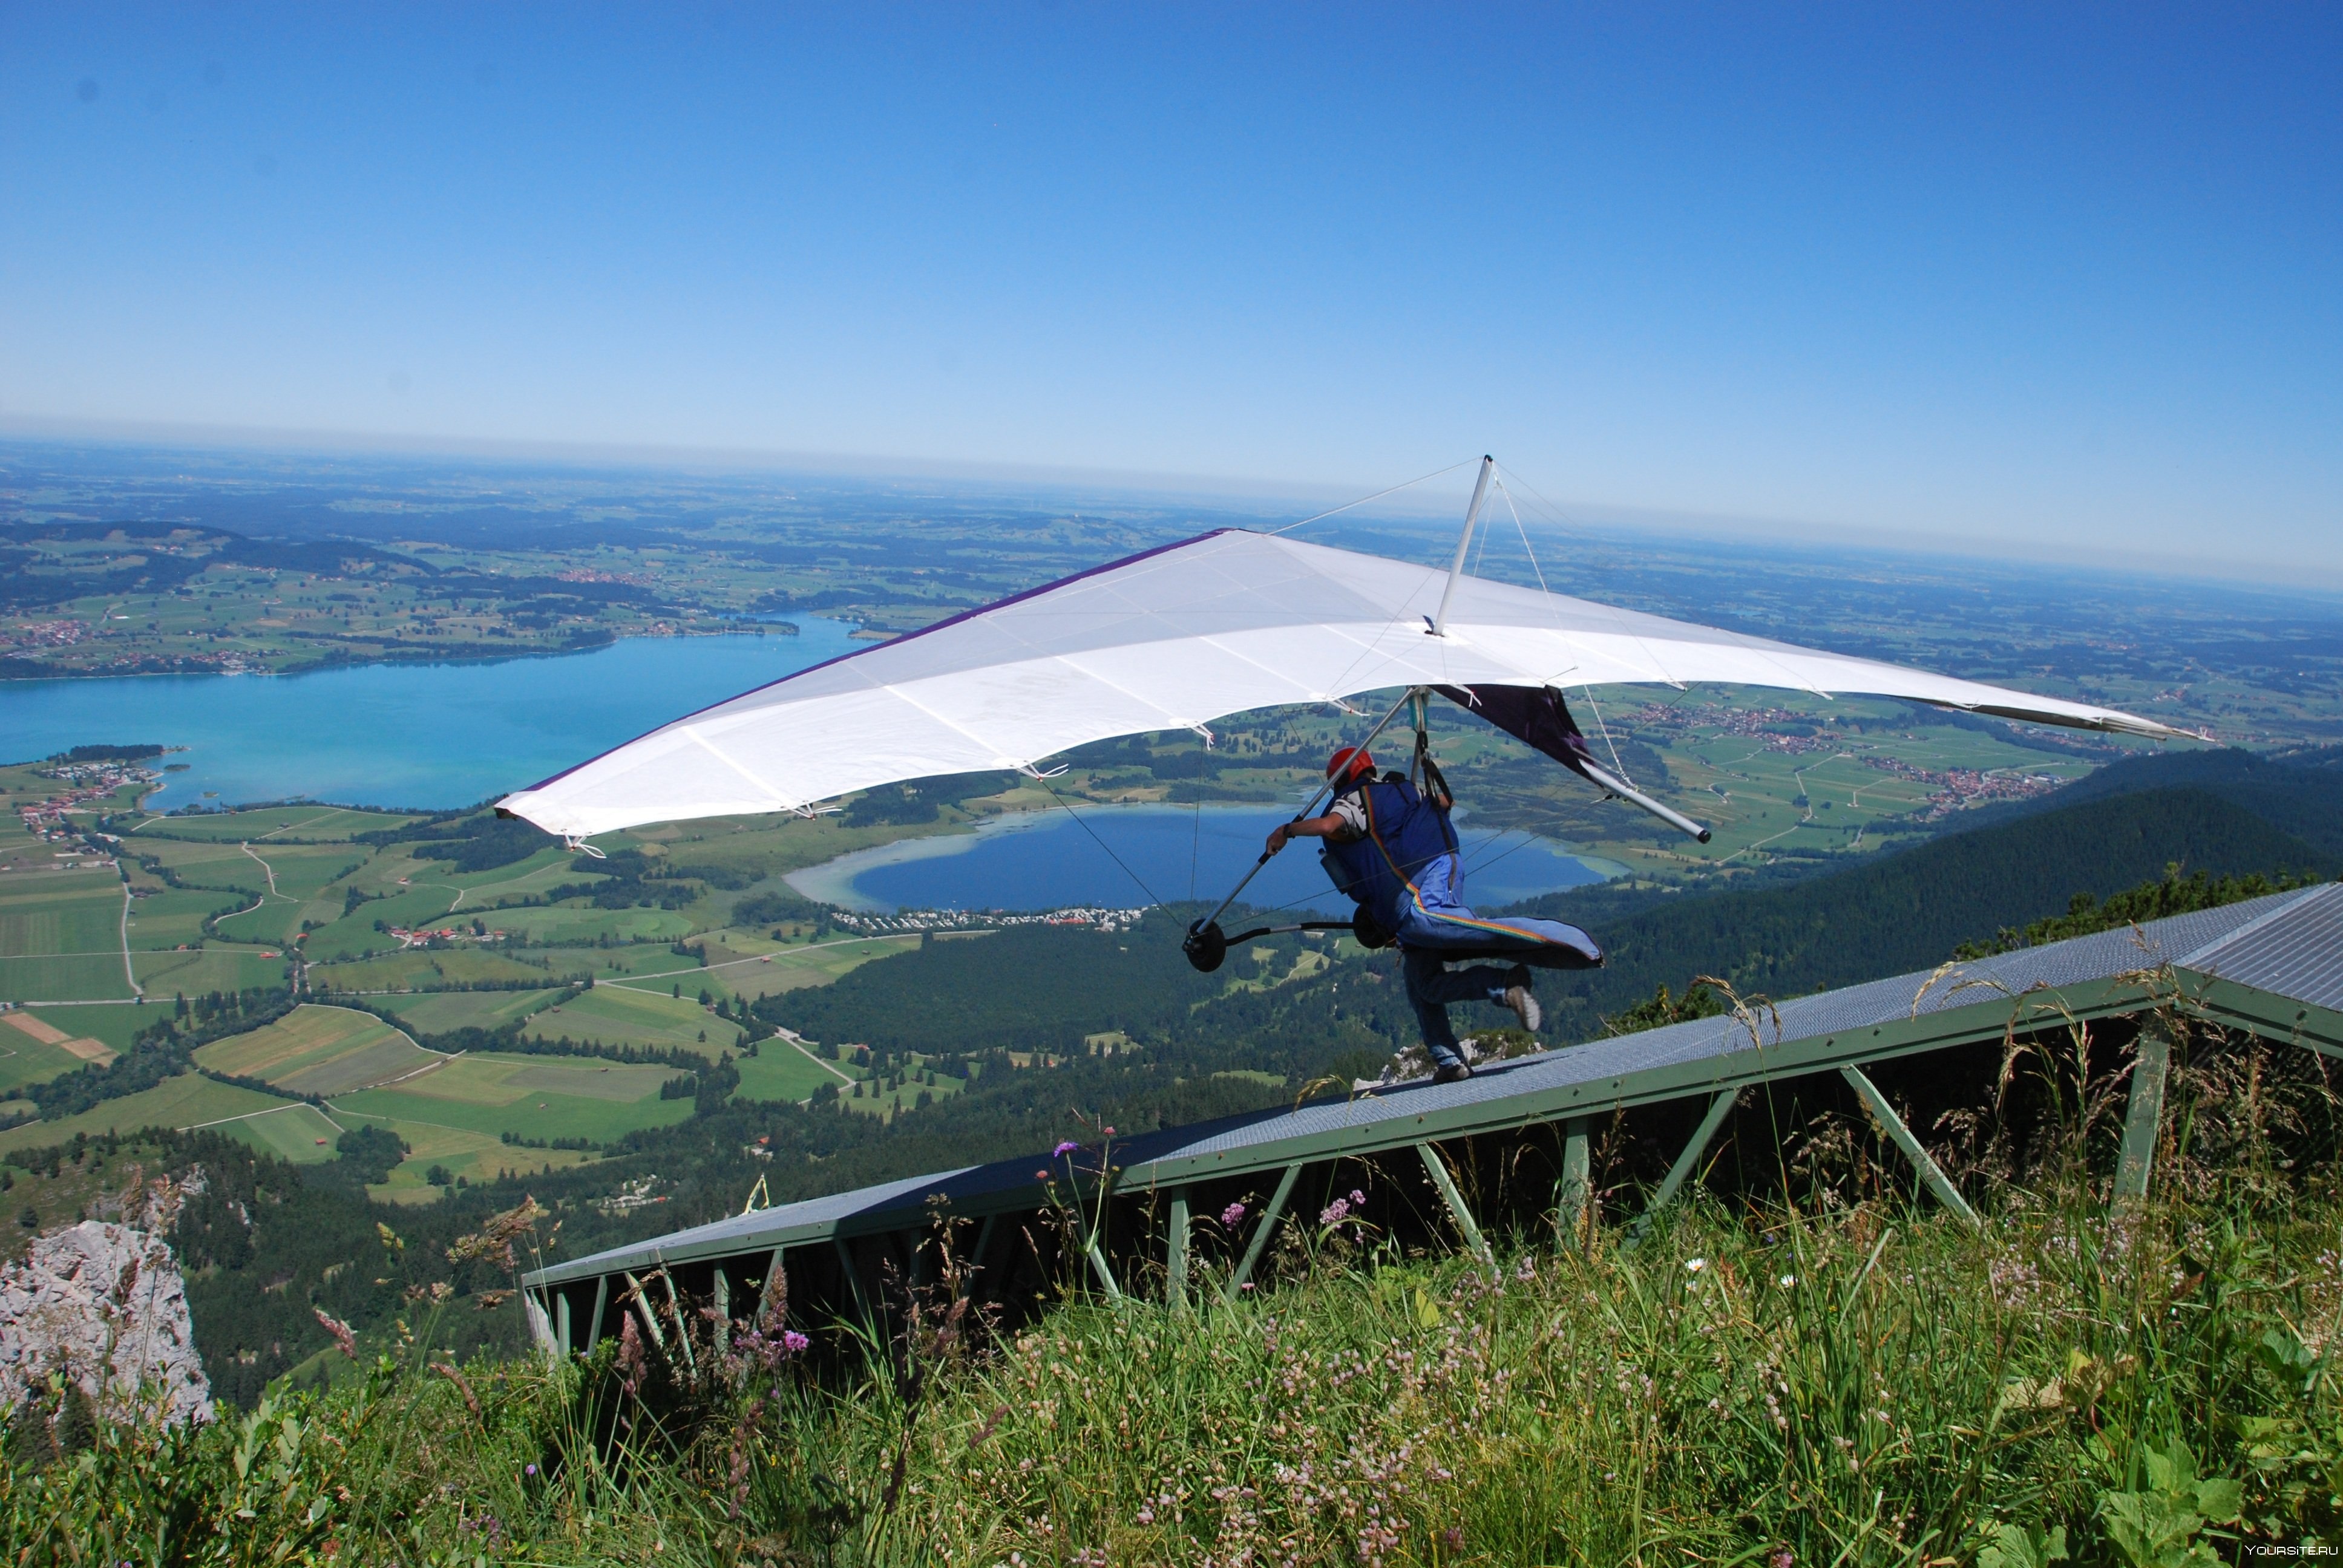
1051	859
428	735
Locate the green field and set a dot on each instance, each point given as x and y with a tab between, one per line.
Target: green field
548	868
474	1156
316	1049
792	967
612	1014
114	1022
189	1099
780	1070
426	968
173	917
24	1059
271	822
299	1133
60	937
214	968
562	926
532	1096
613	963
354	934
214	866
445	1011
303	871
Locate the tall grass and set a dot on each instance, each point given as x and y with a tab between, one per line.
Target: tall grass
1840	1382
1862	1388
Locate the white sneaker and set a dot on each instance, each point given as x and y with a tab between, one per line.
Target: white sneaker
1525	1006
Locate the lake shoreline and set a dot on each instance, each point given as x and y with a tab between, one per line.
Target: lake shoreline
1106	855
422	658
386	734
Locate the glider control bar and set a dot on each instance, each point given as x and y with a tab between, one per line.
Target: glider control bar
1207	944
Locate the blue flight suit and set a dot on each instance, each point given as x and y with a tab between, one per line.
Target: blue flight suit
1405	872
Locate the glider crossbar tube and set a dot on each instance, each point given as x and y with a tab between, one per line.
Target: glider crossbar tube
1634	797
1207	944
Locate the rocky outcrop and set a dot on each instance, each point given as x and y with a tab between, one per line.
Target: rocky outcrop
103	1304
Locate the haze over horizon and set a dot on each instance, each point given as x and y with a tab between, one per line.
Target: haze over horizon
2059	283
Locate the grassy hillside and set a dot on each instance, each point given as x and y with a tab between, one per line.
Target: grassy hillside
1866	1386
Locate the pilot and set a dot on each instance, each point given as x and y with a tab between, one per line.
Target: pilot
1393	850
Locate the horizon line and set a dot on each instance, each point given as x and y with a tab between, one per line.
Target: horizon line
2283	577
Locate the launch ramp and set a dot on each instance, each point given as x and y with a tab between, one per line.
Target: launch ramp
1138	1217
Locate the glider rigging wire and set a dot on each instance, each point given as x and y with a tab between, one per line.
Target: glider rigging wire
1600	728
1378	496
1153	902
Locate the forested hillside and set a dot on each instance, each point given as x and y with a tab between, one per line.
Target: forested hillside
2301	793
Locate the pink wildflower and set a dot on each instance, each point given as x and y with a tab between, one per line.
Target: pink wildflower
343	1337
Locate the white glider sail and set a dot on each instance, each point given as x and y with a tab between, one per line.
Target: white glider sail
1174	639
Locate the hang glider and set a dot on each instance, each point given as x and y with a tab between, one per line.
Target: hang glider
1174	639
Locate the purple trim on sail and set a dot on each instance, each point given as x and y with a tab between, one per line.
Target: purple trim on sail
892	642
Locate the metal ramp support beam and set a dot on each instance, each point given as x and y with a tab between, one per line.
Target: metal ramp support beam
1175	1260
561	1322
601	1305
541	1324
1261	1232
682	1324
643	1311
1893	1125
1573	1192
1437	1169
1681	1172
971	1270
2144	1117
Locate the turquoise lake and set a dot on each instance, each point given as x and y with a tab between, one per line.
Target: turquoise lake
421	735
438	736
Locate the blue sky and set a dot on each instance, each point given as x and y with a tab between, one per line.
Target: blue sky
2059	278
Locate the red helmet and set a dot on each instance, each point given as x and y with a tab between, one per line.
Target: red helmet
1348	764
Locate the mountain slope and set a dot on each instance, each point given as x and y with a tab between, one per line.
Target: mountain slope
2302	796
